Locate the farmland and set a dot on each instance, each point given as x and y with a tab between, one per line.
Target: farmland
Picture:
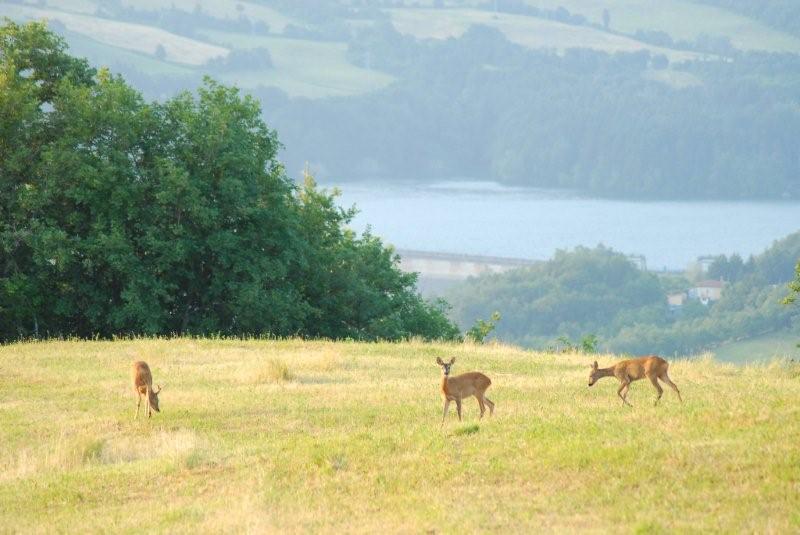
314	67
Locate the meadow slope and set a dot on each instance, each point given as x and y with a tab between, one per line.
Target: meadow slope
293	436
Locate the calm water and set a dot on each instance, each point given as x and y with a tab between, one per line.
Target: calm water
486	219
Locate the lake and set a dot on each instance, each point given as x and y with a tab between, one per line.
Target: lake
484	218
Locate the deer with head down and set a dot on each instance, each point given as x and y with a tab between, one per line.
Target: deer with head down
463	386
143	385
627	371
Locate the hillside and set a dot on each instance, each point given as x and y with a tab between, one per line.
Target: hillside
341	437
319	69
674	99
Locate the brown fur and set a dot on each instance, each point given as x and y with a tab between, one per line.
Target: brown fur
463	386
628	371
143	386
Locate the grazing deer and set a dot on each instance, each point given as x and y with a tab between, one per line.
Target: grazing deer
627	371
463	386
143	384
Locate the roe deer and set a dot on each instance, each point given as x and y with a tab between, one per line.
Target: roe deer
463	386
143	384
627	371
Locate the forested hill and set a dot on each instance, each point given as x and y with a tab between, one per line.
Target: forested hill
600	292
646	99
481	106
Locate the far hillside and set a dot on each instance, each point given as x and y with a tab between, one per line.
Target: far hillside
624	98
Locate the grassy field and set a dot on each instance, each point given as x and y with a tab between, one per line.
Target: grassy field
259	436
104	55
225	9
682	20
313	69
319	69
531	32
128	36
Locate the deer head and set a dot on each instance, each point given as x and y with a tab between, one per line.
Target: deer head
153	398
445	365
594	374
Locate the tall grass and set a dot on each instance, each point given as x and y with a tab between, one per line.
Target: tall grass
264	436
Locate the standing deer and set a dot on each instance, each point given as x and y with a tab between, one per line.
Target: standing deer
463	386
143	384
627	371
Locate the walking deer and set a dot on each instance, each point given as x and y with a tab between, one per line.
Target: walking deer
463	386
627	371
143	385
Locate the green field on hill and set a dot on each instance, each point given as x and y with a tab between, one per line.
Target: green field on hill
319	68
312	69
682	20
770	346
264	436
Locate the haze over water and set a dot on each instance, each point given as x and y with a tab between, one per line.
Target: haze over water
484	218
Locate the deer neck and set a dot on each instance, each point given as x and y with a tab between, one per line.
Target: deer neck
605	372
445	389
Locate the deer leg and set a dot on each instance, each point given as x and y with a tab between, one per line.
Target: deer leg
139	404
624	386
481	405
660	390
458	408
491	405
672	385
446	406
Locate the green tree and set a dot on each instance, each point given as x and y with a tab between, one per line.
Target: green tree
483	328
794	287
120	216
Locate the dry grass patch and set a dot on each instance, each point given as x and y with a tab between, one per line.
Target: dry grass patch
274	371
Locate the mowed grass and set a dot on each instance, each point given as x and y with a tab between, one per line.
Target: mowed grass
294	436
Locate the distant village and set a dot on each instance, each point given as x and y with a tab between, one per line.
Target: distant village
705	292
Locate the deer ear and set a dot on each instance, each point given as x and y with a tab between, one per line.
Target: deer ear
594	365
439	361
452	360
159	389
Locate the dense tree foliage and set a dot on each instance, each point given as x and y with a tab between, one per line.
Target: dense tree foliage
599	291
577	292
794	287
119	216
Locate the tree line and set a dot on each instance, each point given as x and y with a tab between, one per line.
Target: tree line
120	216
